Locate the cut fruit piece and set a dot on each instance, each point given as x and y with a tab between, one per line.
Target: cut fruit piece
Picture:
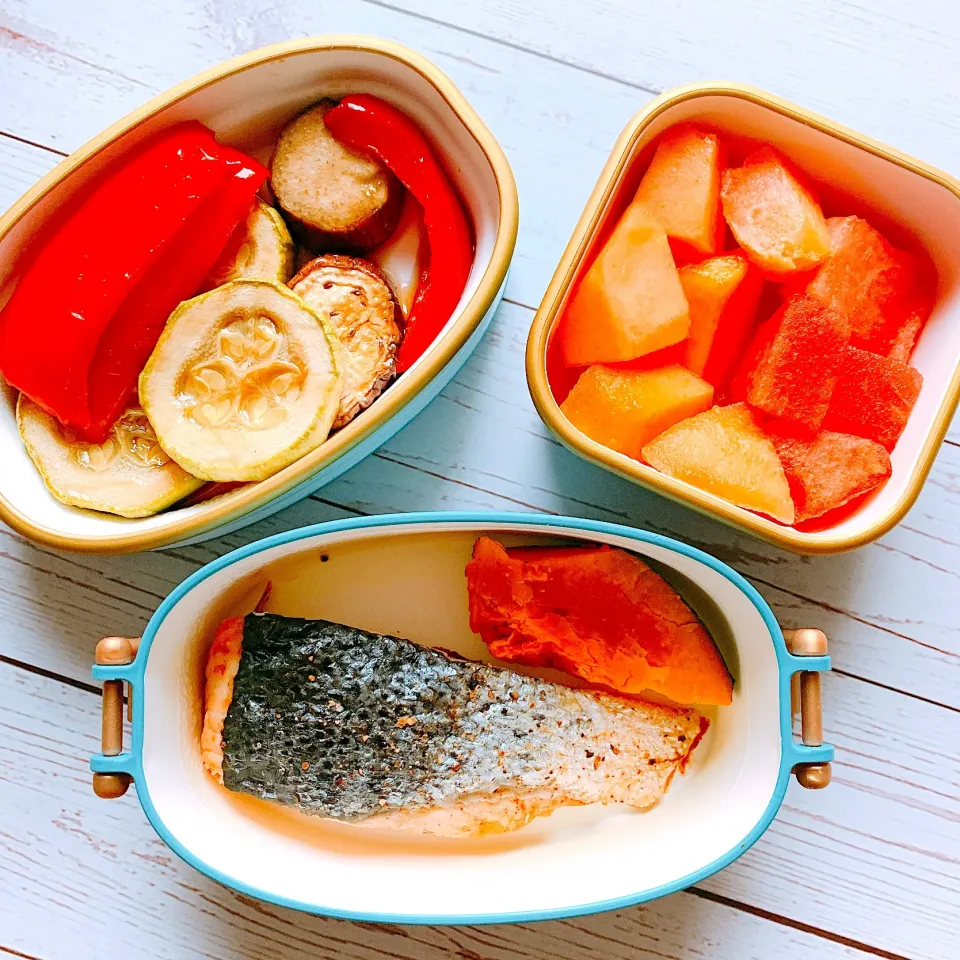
599	613
243	381
355	298
630	302
905	342
830	470
794	375
723	294
128	474
724	452
867	281
773	216
333	198
260	247
874	397
681	188
623	409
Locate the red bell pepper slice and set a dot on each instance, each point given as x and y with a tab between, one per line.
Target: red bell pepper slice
369	125
89	266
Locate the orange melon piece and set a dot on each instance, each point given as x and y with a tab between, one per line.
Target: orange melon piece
773	216
623	409
723	294
681	188
724	452
630	301
597	612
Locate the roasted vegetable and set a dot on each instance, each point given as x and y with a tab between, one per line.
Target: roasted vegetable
243	381
260	248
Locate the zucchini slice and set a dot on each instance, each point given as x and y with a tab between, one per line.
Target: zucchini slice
260	247
129	474
362	312
244	380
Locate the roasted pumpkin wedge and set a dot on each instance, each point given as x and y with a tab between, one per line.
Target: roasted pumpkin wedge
362	312
129	474
260	247
244	381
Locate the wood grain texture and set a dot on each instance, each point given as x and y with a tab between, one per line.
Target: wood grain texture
874	858
100	870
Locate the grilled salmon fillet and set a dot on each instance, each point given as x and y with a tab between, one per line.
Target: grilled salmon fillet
377	731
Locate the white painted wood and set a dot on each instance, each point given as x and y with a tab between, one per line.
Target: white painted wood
872	858
112	886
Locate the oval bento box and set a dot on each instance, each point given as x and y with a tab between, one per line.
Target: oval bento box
404	574
915	204
246	102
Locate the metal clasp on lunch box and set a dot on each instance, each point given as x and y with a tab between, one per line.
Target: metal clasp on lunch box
114	652
805	698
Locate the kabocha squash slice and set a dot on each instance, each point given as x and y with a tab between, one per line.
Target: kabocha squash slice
260	248
244	381
129	474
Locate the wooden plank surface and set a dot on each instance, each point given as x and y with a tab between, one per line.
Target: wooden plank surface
870	865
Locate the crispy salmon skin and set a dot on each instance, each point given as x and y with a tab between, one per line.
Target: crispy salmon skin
374	730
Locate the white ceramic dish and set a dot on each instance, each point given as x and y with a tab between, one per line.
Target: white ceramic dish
246	102
404	575
915	205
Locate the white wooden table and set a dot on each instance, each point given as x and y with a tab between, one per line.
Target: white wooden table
869	867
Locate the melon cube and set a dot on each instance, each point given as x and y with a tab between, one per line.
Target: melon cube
907	336
867	281
794	376
623	409
724	452
830	470
723	293
630	302
873	397
773	216
681	188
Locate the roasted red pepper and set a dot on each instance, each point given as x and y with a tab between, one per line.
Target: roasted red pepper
369	125
92	300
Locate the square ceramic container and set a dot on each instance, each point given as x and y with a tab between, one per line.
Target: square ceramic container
912	203
577	860
247	101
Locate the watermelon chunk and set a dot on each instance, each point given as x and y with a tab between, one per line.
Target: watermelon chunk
830	470
599	613
794	375
874	396
867	281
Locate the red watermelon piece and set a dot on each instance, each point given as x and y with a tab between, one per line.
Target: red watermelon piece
800	350
830	470
873	397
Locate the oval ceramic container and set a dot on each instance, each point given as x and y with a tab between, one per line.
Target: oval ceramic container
405	575
914	204
247	101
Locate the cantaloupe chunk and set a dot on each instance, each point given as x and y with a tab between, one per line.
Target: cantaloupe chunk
867	281
597	612
773	216
873	397
830	470
630	302
722	293
623	409
681	188
724	452
795	374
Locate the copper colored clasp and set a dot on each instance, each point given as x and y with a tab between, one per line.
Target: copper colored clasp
807	700
114	652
